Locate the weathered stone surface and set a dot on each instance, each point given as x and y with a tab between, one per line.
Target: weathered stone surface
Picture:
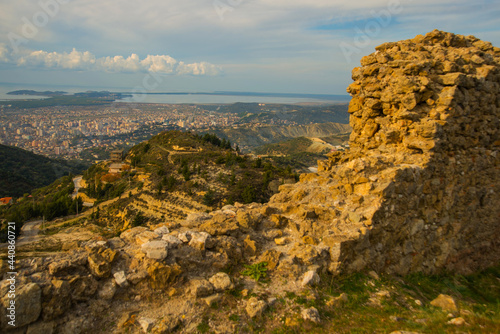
311	314
444	302
28	304
271	257
201	288
255	307
220	224
56	299
172	242
129	235
162	275
246	220
82	287
121	278
146	237
167	325
41	328
418	188
310	278
100	260
146	324
199	240
156	249
162	230
250	247
68	266
108	290
221	282
213	299
135	278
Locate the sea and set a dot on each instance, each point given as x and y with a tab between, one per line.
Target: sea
181	97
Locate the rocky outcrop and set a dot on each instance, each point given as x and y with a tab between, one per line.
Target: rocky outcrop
419	189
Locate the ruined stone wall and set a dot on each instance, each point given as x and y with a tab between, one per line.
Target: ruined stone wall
419	189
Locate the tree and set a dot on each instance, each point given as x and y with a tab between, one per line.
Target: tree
258	163
208	198
248	195
139	219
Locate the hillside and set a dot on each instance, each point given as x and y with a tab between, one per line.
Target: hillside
22	171
165	179
252	136
299	114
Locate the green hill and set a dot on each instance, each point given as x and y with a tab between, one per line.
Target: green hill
22	171
163	179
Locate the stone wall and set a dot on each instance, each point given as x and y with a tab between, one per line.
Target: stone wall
419	189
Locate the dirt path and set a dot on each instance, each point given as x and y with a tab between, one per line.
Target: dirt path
29	233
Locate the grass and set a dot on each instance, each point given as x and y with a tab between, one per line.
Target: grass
408	305
256	271
383	305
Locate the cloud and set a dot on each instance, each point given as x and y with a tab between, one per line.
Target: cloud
162	64
78	60
4	53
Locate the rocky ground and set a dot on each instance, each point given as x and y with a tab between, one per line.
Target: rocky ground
244	275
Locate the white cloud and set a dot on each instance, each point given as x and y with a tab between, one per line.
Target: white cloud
162	64
77	60
4	53
74	60
198	69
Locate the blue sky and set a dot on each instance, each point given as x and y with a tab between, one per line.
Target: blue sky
292	46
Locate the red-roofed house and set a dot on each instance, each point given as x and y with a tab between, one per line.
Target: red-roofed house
6	201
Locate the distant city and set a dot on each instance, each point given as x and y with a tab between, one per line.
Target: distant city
88	132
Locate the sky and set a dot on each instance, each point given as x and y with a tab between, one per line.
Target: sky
281	46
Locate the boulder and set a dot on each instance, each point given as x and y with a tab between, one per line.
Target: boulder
156	249
201	288
172	242
311	314
108	290
121	278
220	224
56	299
28	304
199	240
221	282
146	237
271	257
146	324
161	276
161	231
129	235
82	287
250	247
310	278
99	261
445	302
255	307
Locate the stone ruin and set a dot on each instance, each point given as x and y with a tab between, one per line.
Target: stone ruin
419	188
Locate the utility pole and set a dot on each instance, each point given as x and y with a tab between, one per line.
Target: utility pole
76	205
